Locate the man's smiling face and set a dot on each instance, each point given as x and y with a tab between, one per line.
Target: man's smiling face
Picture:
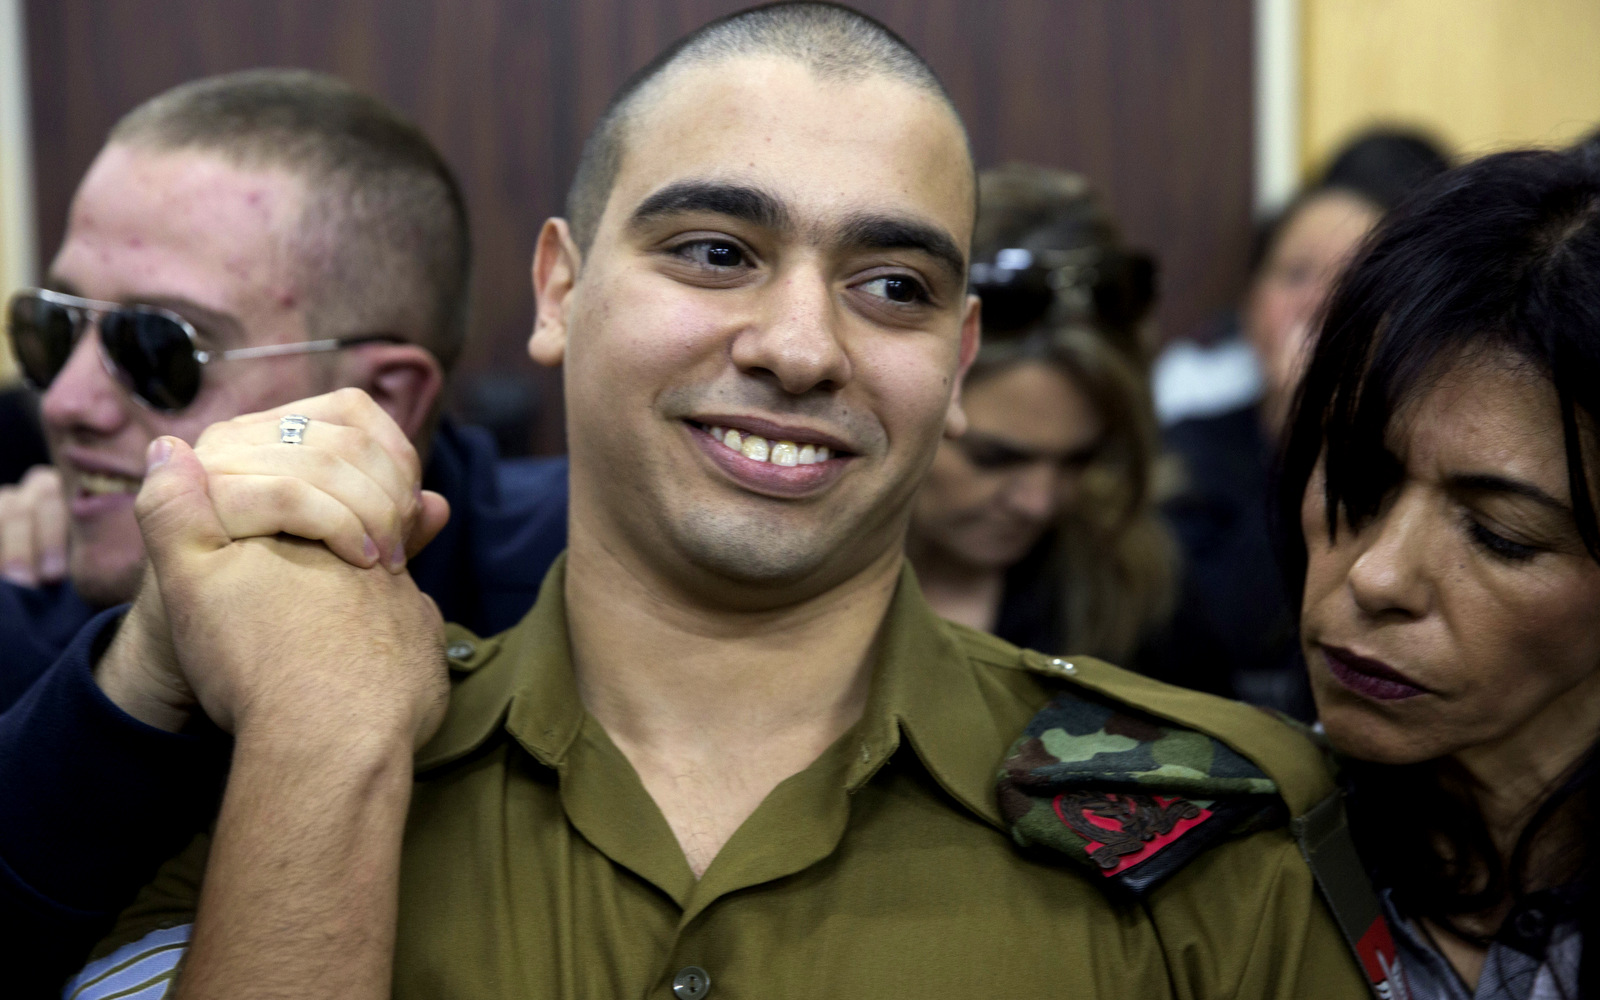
209	240
764	342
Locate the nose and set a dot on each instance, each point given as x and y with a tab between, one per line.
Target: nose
84	396
1390	576
798	340
1035	491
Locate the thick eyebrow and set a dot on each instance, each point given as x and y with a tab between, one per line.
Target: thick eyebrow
1490	483
883	232
737	201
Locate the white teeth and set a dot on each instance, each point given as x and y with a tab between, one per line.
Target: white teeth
754	448
758	449
100	484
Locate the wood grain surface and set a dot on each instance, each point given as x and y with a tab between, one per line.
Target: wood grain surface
1150	98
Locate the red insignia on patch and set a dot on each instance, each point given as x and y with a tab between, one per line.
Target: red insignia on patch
1123	829
1381	961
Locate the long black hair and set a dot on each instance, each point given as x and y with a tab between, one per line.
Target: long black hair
1503	253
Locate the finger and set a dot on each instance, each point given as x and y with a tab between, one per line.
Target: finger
174	508
18	563
263	506
435	515
259	441
42	487
348	407
327	472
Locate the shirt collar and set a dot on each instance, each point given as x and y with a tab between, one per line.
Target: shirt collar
923	690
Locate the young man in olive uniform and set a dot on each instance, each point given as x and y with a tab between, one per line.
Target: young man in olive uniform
731	752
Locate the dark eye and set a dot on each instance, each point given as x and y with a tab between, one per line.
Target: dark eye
992	455
713	253
1500	545
897	288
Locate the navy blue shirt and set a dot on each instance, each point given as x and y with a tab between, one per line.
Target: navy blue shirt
92	800
1234	624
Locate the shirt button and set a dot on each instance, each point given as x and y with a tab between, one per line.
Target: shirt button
461	649
691	983
1063	666
1529	925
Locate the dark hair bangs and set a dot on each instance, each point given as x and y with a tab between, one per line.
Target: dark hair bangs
1503	254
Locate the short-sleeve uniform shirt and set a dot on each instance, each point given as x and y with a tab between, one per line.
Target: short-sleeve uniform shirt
536	865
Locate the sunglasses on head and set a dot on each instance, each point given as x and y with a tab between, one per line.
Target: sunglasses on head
1023	288
154	352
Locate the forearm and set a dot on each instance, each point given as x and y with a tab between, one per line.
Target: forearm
301	892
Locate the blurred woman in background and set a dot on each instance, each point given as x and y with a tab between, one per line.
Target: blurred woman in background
1444	468
1039	523
1238	623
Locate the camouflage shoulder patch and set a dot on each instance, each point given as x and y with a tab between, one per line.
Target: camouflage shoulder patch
1126	795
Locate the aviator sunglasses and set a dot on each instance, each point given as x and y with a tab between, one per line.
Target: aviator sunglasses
154	352
1023	288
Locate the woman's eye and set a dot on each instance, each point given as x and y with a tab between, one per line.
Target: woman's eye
712	253
897	288
1500	545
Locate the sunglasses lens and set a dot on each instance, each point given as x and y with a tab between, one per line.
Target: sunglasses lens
42	336
1011	308
152	353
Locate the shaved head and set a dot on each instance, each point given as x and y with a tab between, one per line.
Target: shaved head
832	41
382	239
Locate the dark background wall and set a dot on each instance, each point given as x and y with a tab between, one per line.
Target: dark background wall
1150	98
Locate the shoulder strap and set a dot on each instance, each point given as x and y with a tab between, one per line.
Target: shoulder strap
1323	833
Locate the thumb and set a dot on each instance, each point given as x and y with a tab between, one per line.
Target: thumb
174	504
434	516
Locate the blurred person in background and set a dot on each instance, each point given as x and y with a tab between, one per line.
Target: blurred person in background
1039	523
1235	620
1441	477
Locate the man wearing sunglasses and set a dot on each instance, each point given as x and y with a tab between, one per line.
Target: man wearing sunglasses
240	242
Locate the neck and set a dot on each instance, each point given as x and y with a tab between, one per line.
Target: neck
1511	777
1274	414
957	590
714	707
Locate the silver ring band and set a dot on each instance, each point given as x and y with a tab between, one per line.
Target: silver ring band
292	428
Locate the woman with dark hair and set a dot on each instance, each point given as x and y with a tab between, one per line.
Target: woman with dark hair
1443	467
1039	524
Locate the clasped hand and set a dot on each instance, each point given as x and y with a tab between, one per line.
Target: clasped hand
322	635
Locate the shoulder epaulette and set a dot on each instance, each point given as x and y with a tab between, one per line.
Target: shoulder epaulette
1126	795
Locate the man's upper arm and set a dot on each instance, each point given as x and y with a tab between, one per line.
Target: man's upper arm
1245	920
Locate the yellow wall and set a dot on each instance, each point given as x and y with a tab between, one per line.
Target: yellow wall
17	264
8	372
1480	74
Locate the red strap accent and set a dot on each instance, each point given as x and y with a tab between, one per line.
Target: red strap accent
1381	961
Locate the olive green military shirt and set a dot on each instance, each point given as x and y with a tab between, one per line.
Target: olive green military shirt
536	865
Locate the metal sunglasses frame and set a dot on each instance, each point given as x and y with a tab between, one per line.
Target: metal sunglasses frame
84	311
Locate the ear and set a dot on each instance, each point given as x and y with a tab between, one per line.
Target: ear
556	262
955	420
404	379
